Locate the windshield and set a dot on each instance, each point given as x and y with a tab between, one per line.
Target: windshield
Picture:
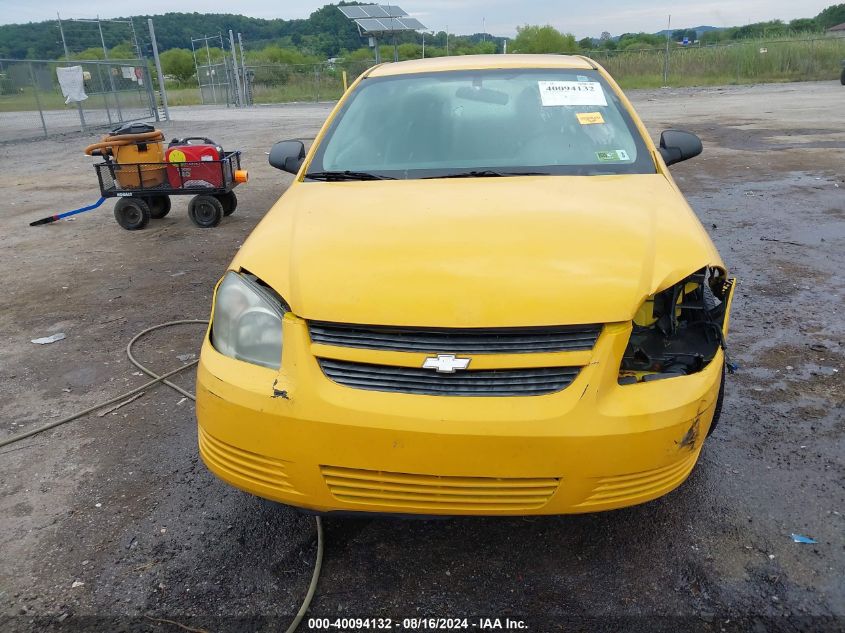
491	122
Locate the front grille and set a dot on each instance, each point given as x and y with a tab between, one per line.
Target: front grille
258	470
564	338
532	381
636	487
405	491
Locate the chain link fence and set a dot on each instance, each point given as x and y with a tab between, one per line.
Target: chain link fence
741	62
278	83
734	63
216	83
32	104
267	83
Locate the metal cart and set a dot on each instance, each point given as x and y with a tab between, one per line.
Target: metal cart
144	189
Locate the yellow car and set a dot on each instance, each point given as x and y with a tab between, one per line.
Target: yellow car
482	294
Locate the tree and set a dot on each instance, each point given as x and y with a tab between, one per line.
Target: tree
124	50
290	56
339	32
679	35
629	41
773	28
543	39
178	62
833	15
586	43
640	41
804	25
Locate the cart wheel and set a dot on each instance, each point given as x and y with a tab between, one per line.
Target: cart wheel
205	211
229	202
132	213
159	206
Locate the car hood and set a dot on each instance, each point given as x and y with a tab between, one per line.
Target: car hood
477	252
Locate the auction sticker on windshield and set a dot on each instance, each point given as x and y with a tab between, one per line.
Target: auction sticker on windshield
571	93
614	155
589	118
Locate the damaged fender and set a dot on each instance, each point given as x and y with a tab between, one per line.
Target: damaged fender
678	330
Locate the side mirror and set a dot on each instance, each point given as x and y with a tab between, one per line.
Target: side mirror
287	156
677	145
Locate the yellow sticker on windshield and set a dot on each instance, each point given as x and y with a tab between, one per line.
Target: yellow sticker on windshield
589	118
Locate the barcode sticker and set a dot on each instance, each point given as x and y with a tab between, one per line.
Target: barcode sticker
571	93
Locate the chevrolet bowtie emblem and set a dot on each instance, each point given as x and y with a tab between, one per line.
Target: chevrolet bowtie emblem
445	363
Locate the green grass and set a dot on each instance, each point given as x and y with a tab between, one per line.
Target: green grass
25	100
740	63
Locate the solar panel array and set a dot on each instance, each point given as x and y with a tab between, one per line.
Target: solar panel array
378	18
372	11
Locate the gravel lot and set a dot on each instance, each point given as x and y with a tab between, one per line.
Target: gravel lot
113	523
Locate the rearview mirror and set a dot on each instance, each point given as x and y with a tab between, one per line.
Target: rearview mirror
287	156
677	145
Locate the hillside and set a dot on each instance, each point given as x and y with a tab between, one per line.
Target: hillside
700	30
325	32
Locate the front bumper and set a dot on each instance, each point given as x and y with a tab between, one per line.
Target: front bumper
296	437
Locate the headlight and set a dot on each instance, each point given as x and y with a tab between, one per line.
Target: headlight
247	321
677	331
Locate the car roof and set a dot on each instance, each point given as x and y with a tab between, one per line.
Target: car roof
479	62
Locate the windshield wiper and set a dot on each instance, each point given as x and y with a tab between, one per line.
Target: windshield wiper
345	175
490	173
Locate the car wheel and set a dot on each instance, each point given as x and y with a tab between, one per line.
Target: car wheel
132	214
717	413
205	211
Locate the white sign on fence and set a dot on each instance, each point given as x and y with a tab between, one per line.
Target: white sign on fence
72	83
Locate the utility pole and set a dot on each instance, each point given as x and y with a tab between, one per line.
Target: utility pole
160	74
666	58
247	96
135	38
62	33
102	39
235	69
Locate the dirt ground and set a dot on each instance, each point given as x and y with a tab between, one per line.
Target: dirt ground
113	523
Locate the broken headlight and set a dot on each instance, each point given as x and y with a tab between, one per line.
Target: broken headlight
247	321
679	330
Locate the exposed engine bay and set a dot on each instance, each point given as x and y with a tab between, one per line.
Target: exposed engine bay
678	331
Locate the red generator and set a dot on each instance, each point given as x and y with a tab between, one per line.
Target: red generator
188	156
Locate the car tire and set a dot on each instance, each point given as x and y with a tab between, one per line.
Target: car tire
229	202
132	214
205	211
842	78
159	206
717	412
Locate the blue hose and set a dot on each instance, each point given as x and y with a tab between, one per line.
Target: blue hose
54	218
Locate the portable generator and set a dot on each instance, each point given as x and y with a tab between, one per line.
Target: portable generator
194	162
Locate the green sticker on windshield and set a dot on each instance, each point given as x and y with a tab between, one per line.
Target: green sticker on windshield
612	156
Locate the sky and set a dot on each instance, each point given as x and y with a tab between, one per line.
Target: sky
499	17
